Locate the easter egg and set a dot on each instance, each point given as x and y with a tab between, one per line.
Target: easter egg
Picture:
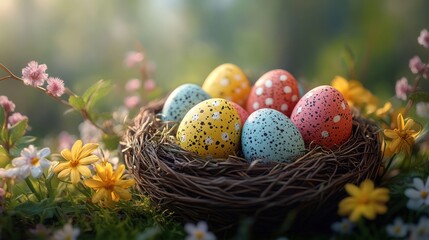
181	100
211	128
276	89
270	135
323	117
228	81
241	112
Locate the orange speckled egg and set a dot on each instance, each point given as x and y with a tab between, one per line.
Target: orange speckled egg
241	112
276	89
323	117
228	81
211	128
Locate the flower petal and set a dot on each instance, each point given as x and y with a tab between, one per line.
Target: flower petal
119	171
367	186
414	204
352	189
340	84
61	167
412	193
125	183
88	160
44	152
391	133
93	183
88	149
115	196
368	211
19	161
400	121
99	195
74	176
64	173
76	149
418	183
84	170
355	215
409	123
67	155
380	194
36	172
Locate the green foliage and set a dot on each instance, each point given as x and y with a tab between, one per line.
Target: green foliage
419	97
3	125
17	131
4	157
77	102
96	92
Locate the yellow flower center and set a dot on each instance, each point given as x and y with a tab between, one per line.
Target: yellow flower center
198	234
397	229
74	163
424	194
35	161
363	199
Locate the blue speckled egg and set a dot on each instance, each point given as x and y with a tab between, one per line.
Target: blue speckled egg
181	100
269	135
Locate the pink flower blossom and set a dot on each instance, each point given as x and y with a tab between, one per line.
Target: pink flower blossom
55	87
34	74
7	105
133	85
16	118
402	88
132	101
423	39
149	85
133	58
89	133
65	140
417	66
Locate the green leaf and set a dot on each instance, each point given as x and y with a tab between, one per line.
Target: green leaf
44	209
25	141
4	157
77	102
419	97
2	122
95	93
2	117
22	143
17	131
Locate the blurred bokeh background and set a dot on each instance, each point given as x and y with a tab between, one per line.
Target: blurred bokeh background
83	41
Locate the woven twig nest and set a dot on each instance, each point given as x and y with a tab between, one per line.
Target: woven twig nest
223	191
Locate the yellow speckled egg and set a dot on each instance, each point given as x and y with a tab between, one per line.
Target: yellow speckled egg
211	128
228	81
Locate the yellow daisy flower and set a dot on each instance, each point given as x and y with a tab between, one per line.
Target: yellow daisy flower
77	160
354	93
403	136
364	201
108	184
385	110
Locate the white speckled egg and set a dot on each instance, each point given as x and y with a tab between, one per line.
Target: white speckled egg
181	100
211	128
323	117
270	135
228	81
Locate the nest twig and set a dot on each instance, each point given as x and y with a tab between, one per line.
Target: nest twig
221	191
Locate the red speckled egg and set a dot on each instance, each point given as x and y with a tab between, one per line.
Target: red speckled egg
323	117
243	113
276	89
